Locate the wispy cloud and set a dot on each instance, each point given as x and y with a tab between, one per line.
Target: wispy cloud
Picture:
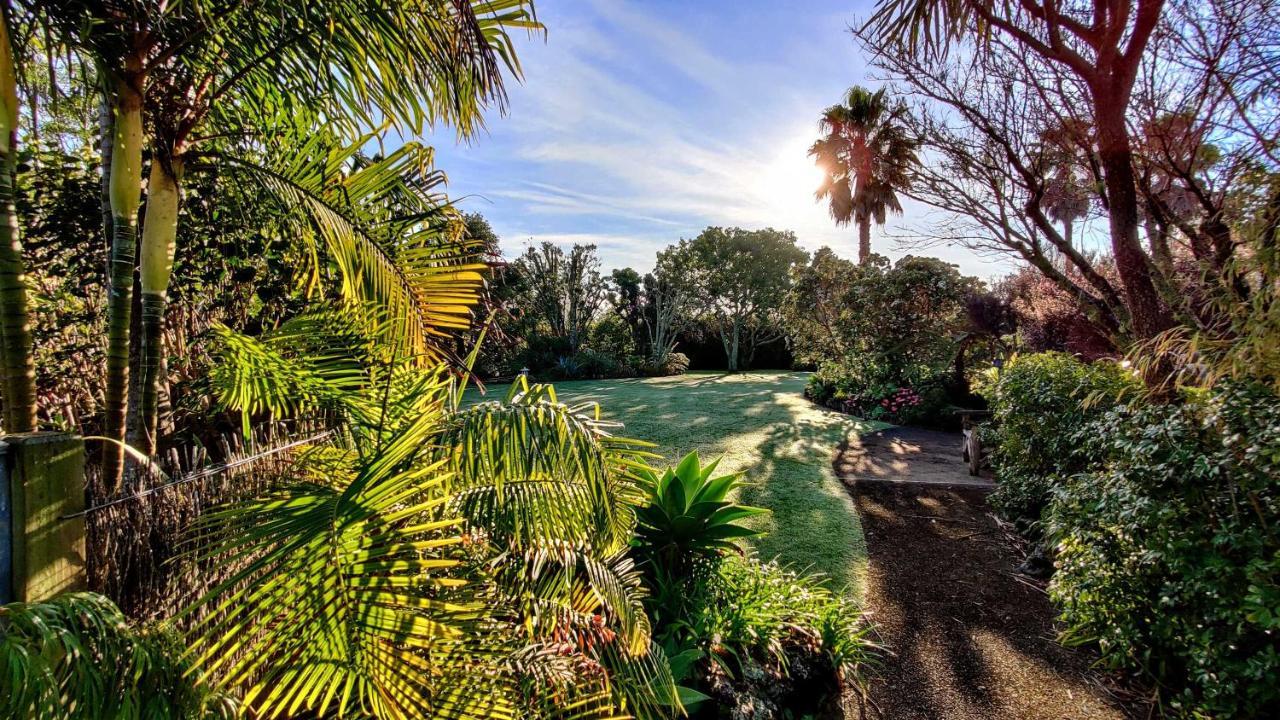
641	123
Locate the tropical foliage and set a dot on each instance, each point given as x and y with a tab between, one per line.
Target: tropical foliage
476	556
688	515
76	656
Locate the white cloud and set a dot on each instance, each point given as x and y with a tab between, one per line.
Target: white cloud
632	133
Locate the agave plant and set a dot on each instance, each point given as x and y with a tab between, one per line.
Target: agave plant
688	514
440	560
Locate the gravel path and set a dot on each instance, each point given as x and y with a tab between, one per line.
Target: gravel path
969	637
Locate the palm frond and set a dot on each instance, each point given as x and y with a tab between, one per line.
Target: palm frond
77	656
509	458
408	272
352	585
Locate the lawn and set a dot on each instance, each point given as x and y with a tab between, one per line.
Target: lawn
762	426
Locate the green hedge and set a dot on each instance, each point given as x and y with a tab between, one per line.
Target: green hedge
1042	406
1163	520
1169	555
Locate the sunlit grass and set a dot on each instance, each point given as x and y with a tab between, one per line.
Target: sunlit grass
762	426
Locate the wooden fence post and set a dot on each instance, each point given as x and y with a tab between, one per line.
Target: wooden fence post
41	481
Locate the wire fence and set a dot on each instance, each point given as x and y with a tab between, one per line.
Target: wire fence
205	473
137	543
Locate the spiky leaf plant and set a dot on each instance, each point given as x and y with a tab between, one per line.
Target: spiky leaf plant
688	514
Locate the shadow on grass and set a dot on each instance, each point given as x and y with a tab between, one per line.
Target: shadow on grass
762	427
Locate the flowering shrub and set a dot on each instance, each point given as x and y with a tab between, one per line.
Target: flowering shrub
927	404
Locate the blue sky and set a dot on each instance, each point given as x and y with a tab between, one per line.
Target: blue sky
640	122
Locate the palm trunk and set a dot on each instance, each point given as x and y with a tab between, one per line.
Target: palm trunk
159	229
16	359
864	240
125	191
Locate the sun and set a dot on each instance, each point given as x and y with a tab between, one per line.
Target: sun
786	181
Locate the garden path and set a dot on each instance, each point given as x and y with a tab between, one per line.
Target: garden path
907	455
969	637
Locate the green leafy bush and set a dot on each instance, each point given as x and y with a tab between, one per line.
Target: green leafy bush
929	403
768	635
76	656
743	631
1042	405
676	364
687	515
1168	555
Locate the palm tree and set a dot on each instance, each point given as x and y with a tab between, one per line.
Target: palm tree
17	364
866	157
212	70
437	559
76	656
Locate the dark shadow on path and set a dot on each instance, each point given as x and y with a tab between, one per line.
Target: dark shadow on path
969	638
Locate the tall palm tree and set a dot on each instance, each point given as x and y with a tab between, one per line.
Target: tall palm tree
17	364
218	68
865	156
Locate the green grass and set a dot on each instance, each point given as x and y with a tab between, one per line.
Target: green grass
763	427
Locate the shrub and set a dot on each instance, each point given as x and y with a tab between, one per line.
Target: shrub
769	636
1042	405
929	403
1168	556
676	364
753	635
596	364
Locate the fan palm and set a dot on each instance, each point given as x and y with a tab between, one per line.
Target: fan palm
480	550
865	157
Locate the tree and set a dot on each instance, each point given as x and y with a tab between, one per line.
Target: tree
814	312
873	325
17	363
1160	138
1098	50
565	291
626	295
202	72
865	156
740	278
